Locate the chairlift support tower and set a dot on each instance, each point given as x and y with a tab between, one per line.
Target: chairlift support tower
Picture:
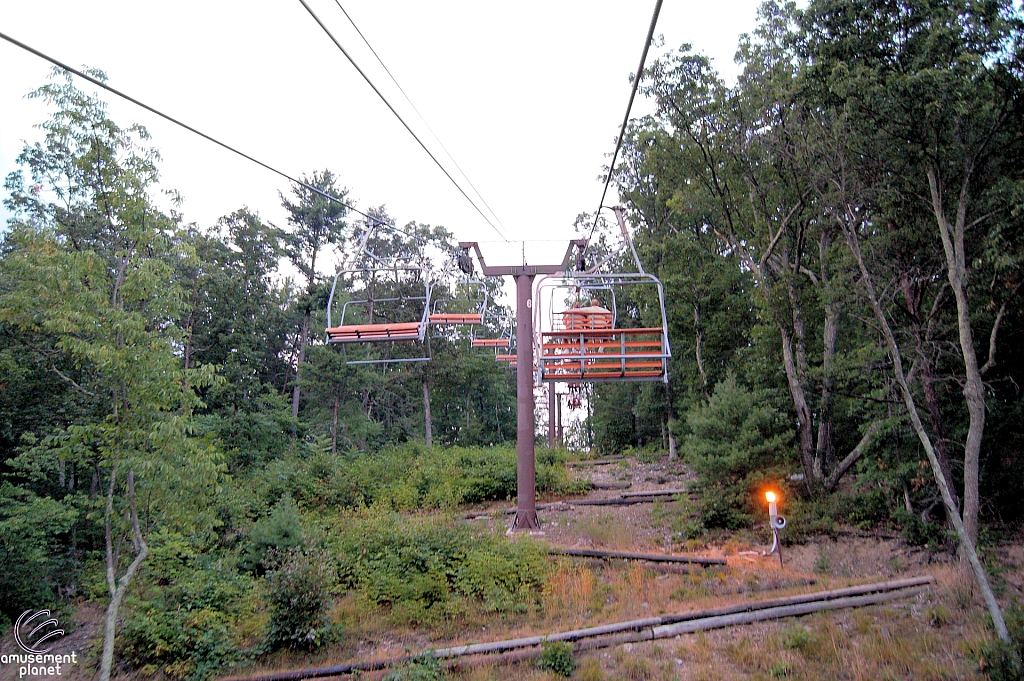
526	478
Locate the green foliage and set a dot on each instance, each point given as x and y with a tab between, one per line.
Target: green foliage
425	667
186	617
1005	662
31	568
281	530
409	476
427	569
737	445
299	589
556	656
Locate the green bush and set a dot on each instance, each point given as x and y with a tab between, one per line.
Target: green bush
1005	662
427	569
738	444
30	530
425	667
408	477
299	594
556	656
184	619
280	530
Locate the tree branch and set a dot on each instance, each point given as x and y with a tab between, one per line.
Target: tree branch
853	456
991	362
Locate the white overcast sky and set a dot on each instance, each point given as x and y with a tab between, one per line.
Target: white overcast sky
527	96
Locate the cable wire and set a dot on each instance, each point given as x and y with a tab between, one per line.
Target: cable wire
99	83
424	120
223	145
400	119
625	119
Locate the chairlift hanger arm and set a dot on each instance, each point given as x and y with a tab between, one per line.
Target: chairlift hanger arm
516	270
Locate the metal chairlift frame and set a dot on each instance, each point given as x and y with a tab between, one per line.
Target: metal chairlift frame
504	339
391	332
563	353
607	354
438	317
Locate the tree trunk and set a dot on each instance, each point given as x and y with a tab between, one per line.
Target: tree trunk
974	390
118	587
966	541
852	457
699	348
334	427
803	413
824	452
303	337
426	413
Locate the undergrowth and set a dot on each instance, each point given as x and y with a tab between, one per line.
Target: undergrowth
409	477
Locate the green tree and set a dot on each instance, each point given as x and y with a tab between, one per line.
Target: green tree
318	222
90	269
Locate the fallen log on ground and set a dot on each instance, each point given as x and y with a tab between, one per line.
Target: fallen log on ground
611	485
614	501
629	555
647	629
597	462
655	493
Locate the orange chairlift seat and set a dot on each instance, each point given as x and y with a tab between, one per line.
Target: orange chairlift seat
473	304
406	314
585	345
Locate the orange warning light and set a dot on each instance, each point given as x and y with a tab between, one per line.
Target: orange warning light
770	496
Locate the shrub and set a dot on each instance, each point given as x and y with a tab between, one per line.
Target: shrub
299	594
428	569
184	621
280	530
30	527
737	443
556	656
1005	662
425	667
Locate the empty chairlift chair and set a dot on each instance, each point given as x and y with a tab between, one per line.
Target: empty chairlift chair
399	316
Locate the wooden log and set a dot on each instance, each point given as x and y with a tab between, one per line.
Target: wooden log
629	555
646	629
705	623
611	485
614	501
801	598
655	493
598	462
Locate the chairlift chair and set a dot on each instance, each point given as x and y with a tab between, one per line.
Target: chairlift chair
403	318
498	344
586	343
468	310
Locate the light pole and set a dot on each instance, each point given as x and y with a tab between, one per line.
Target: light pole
776	522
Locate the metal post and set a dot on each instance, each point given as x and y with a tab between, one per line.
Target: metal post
526	501
552	417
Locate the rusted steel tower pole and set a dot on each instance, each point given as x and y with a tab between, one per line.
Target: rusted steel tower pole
526	483
526	471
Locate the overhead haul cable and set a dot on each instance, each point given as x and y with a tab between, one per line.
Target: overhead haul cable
434	134
99	83
399	117
625	119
